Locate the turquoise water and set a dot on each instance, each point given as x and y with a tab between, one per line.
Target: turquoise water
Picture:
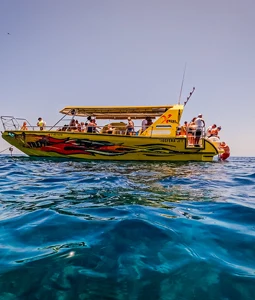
125	230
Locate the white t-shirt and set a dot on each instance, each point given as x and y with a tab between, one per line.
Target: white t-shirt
199	123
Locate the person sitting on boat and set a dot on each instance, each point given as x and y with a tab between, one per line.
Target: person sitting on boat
92	125
64	128
200	124
83	127
41	123
78	125
209	130
24	126
109	129
72	126
130	126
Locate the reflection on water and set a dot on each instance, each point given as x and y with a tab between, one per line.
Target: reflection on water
126	230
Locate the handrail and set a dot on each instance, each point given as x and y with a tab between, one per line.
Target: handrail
10	122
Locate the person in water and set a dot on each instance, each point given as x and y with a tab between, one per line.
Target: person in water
226	149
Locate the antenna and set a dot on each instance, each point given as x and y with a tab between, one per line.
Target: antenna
190	94
182	83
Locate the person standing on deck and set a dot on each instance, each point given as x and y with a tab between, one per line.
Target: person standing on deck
144	124
210	129
200	125
130	127
41	123
191	132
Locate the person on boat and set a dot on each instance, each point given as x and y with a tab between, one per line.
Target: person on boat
109	129
64	128
41	123
178	131
130	126
149	122
209	130
226	149
24	126
144	124
72	126
200	125
215	131
191	131
83	127
92	125
184	128
78	125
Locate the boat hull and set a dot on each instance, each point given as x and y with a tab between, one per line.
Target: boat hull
108	147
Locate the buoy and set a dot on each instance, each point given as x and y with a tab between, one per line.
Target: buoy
11	150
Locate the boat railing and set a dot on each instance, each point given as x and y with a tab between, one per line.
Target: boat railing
12	123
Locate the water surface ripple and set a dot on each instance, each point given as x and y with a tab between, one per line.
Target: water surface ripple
127	230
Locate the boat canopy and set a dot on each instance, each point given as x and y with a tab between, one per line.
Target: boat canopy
116	112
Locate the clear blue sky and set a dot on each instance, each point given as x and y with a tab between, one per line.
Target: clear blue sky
79	52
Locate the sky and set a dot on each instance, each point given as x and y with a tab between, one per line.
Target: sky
131	52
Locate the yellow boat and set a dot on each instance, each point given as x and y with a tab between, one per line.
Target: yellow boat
160	141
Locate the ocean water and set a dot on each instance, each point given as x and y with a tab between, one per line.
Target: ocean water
127	230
